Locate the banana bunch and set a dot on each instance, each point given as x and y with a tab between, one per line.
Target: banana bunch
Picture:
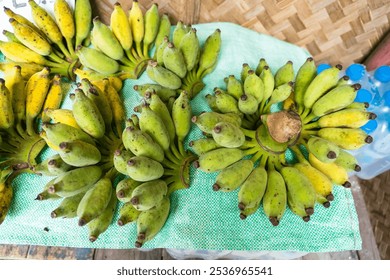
181	64
123	48
23	104
47	41
84	140
281	139
154	161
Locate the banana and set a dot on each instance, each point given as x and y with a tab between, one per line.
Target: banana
203	145
178	33
212	102
269	82
152	124
105	41
20	53
347	161
336	99
68	207
6	194
260	66
207	120
226	103
163	76
210	52
150	222
121	157
351	118
160	53
100	224
344	80
27	69
83	20
181	115
322	149
63	15
163	30
59	132
234	87
97	61
137	25
54	97
190	48
78	153
254	86
248	211
280	93
141	143
346	138
218	159
49	143
232	177
152	24
124	189
42	167
10	36
87	115
305	75
244	71
7	118
252	190
127	214
144	169
248	104
21	19
359	105
75	181
228	135
284	74
95	201
45	195
57	166
148	194
321	84
275	197
174	60
120	26
337	174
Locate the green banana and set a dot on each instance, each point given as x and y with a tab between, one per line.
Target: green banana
162	92
163	76
178	33
181	115
269	82
83	20
244	72
121	157
127	214
206	121
232	177
68	207
174	60
347	161
212	102
254	85
125	188
284	74
163	30
228	135
144	169
97	61
226	103
78	153
234	87
152	24
248	211
190	48
218	159
305	75
57	166
324	150
160	54
252	190
203	145
260	66
59	132
248	104
210	52
148	194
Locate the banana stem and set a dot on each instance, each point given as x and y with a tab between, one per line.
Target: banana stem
139	49
171	157
130	56
174	150
127	62
298	154
181	147
55	58
171	179
305	113
64	50
249	144
69	44
261	107
168	164
264	159
308	118
170	172
251	151
146	50
256	156
249	133
267	108
311	126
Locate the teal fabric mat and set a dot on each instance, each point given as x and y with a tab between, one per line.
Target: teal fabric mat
200	219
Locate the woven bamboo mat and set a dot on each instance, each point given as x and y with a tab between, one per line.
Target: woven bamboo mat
334	31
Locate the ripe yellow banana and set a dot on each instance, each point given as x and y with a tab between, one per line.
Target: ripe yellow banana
352	118
54	96
346	138
120	26
64	116
64	18
15	84
20	53
137	26
6	194
7	118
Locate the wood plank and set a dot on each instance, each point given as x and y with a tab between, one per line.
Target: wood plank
342	255
369	249
166	256
127	254
59	253
13	251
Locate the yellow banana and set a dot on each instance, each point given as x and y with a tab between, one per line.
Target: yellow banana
27	69
346	138
7	115
64	116
120	26
137	26
6	194
20	53
54	96
21	19
352	118
83	20
64	17
15	84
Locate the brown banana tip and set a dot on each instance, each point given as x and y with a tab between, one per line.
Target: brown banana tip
194	119
120	194
39	197
331	155
18	67
191	143
117	152
366	105
251	72
131	162
310	59
82	222
326	204
72	96
134	200
241	206
369	139
266	67
347	184
274	221
137	243
245	65
339	66
92	238
170	45
96	18
120	223
2	81
356	86
289	62
218	30
306	218
242	216
130	128
309	211
117	4
357	168
330	197
11	20
135	87
216	187
217	129
63	145
291	83
372	116
141	236
53	214
52	162
79	47
345	78
196	164
6	9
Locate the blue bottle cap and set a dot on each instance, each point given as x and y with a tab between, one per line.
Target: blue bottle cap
355	71
386	97
370	126
382	74
322	67
363	95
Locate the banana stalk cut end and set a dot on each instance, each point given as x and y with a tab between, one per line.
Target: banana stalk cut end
283	125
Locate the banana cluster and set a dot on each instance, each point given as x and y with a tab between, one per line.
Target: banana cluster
23	104
182	63
47	41
154	161
281	139
84	139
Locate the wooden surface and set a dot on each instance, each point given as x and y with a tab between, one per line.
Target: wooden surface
369	248
333	31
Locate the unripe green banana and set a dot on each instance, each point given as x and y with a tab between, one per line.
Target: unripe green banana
148	194
296	208
59	132
347	161
181	115
281	93
95	201
244	72
83	20
321	84
336	99
344	80
152	124
174	60
305	75
150	222
248	211
218	159
124	189
178	33
160	53
207	120
269	82
260	66
284	74
253	85
127	214
144	169
226	103
234	87
162	92
68	207
228	135
100	224
210	52
75	181
324	150
190	48
164	30
275	197
346	138
248	104
78	153
121	157
352	118
163	76
359	105
57	166
42	167
152	24
212	102
45	194
232	177
87	115
252	190
141	144
203	145
96	60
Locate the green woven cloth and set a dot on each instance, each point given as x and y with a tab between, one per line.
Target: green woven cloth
200	219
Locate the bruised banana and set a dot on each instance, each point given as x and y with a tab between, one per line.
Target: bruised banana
346	138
